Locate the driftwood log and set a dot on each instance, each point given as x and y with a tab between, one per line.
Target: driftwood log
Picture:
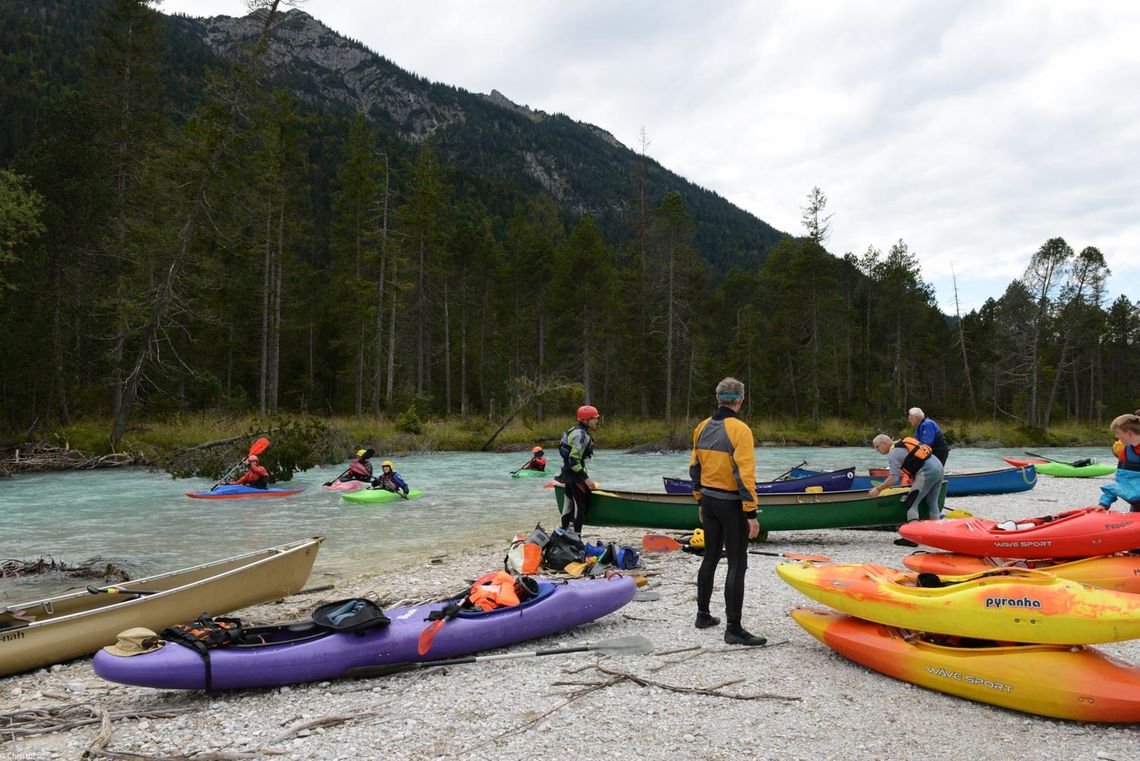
38	457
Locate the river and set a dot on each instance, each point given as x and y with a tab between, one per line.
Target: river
141	518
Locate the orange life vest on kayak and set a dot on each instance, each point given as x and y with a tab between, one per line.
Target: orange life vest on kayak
916	455
493	590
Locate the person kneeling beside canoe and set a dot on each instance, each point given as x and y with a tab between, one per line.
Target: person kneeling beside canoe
389	479
257	477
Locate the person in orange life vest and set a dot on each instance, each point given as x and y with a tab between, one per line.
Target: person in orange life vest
389	479
911	457
537	460
360	469
256	477
1127	451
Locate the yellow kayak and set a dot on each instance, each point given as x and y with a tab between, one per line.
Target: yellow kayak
1066	682
1009	604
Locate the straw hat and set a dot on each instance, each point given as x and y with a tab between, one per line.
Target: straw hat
135	641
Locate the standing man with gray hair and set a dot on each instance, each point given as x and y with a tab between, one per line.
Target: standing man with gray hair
723	469
928	432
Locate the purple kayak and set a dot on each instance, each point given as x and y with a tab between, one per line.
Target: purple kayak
837	480
306	652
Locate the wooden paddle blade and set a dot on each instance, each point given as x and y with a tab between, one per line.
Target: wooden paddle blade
259	446
660	543
427	636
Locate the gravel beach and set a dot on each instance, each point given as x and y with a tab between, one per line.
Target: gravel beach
693	698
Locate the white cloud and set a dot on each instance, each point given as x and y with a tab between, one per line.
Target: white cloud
973	130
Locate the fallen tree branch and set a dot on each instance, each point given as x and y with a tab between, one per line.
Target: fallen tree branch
39	721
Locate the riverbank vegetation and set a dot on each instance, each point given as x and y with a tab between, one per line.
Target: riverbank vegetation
305	443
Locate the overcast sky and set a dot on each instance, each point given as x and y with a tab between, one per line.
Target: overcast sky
974	131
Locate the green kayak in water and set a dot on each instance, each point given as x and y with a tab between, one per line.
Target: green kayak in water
379	495
531	474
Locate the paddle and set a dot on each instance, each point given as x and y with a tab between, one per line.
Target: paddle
342	475
1074	463
635	645
662	543
789	470
120	591
257	447
524	467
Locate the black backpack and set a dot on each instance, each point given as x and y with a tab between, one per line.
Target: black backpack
356	614
564	547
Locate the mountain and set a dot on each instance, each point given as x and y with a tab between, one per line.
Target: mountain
581	165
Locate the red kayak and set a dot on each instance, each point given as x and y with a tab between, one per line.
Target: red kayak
1073	534
1018	463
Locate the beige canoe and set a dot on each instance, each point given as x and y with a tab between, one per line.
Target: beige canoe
57	629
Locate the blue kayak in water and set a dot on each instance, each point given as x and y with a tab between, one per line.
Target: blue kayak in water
241	491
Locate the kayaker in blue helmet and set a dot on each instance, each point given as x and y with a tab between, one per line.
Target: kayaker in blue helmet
928	432
389	479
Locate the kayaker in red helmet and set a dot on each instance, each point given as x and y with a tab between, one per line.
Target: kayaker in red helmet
257	477
537	460
576	447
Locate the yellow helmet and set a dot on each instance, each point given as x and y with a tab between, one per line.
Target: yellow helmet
698	538
360	452
388	464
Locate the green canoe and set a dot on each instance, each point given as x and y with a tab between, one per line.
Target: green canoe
371	496
778	512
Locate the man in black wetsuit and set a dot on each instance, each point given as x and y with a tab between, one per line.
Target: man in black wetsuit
723	469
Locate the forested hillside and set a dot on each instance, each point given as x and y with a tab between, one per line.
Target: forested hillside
258	214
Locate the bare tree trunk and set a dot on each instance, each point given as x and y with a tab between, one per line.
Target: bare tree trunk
275	332
378	349
463	352
59	387
669	339
446	353
421	318
586	359
962	345
392	336
266	279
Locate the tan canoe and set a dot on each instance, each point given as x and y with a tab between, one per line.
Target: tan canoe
56	629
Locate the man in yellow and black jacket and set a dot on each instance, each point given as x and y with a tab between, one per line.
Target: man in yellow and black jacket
723	469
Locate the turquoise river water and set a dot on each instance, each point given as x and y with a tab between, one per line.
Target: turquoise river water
141	518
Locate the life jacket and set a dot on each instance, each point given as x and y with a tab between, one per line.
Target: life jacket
1128	458
536	463
493	590
576	447
358	468
916	455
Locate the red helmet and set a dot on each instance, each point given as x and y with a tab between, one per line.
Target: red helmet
536	450
587	412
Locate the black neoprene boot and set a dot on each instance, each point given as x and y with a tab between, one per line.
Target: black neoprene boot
735	634
706	620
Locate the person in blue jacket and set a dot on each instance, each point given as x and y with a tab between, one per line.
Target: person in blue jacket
389	479
928	432
1127	451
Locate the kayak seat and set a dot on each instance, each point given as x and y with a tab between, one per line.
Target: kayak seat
930	581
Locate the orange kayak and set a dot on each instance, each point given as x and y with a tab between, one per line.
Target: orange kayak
1065	682
1118	572
1009	604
